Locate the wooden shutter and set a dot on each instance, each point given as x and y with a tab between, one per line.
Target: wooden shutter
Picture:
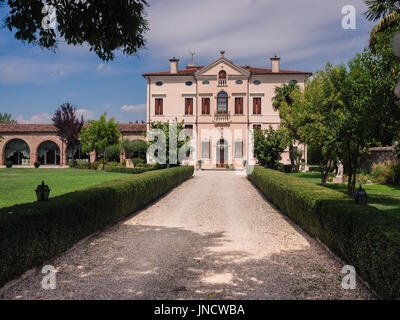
239	106
159	107
189	106
257	106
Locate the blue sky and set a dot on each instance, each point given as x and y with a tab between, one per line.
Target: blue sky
305	34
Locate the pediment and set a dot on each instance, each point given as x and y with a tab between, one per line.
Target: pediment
222	64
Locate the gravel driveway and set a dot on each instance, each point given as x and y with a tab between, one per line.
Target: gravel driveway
213	237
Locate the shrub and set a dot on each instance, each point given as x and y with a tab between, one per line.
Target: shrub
113	153
362	236
82	165
387	172
94	165
391	173
136	161
9	164
127	170
33	233
37	164
72	164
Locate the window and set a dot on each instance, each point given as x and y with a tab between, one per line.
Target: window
222	78
188	83
257	82
159	106
238	149
189	106
205	149
256	105
239	82
206	83
159	83
205	106
257	127
222	102
189	130
238	105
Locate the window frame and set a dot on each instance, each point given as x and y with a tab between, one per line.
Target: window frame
189	107
159	106
255	106
239	106
205	107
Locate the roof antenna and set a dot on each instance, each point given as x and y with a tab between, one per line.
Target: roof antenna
192	53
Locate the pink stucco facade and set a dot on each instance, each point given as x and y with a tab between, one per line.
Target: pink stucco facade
224	130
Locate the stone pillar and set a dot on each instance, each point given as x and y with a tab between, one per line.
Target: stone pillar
92	156
63	156
32	155
122	157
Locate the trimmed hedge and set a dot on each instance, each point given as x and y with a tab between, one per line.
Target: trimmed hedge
362	236
127	170
33	233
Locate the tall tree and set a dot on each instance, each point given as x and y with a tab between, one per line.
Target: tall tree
104	26
68	126
318	110
100	134
388	14
282	101
6	118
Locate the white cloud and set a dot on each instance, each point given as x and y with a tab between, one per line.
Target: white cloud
103	67
87	114
253	30
20	70
46	117
36	119
134	108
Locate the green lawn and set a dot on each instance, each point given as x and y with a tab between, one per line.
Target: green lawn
383	197
17	185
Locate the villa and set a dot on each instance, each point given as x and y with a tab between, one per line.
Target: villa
220	104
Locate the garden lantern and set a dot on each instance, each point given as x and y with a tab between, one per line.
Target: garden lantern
360	196
42	192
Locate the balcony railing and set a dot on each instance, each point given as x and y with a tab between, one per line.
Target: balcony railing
222	83
222	117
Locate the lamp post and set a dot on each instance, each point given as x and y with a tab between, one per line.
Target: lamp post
42	192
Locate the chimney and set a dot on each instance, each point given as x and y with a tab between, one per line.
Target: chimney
173	65
276	64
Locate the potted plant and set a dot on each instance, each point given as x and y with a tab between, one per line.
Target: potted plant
200	162
37	164
9	164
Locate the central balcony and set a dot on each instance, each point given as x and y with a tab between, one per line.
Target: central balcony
222	117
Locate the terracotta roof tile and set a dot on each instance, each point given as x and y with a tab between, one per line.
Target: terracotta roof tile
189	71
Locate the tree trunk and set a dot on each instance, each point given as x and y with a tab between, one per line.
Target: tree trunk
291	156
72	158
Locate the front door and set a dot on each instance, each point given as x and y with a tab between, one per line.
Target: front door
222	151
221	156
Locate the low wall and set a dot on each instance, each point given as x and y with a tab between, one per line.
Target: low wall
377	155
